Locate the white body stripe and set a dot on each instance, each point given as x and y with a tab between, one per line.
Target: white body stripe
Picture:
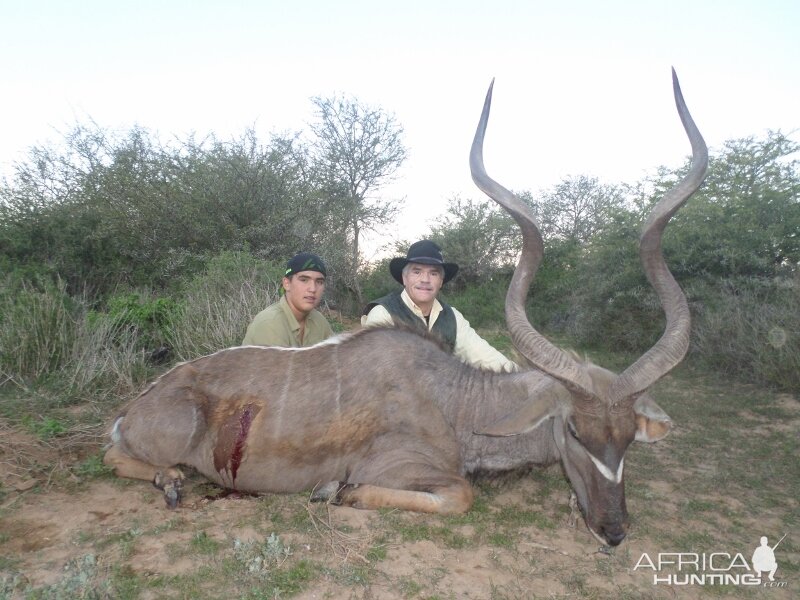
331	341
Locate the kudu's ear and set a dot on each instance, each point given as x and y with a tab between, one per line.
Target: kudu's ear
652	423
529	418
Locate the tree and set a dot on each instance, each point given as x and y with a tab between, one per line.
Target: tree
736	240
745	220
479	236
575	209
104	209
357	149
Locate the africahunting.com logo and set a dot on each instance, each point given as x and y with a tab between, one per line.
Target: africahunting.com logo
713	568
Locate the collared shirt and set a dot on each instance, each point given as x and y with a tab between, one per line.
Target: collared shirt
276	325
470	347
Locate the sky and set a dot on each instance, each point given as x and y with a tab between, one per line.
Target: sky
582	87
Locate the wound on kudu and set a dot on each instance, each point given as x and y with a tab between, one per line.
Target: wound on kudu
232	438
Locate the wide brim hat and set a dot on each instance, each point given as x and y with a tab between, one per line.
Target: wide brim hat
424	252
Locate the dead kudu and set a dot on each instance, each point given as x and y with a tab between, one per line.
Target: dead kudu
386	418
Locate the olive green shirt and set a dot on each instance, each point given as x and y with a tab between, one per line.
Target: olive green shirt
276	325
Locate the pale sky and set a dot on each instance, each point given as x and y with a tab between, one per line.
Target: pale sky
582	87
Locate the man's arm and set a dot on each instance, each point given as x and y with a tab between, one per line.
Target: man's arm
473	349
377	317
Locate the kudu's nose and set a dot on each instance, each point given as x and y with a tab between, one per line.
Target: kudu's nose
614	537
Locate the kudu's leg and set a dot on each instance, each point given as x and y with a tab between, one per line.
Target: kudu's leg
409	472
167	479
454	497
406	485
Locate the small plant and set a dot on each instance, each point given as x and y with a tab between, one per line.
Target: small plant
126	583
291	581
260	558
92	467
202	543
410	588
45	428
126	540
414	532
575	582
501	539
377	553
274	548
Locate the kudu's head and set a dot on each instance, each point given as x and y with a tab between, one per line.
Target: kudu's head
597	413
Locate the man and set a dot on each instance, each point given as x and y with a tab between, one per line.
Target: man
293	321
764	558
423	273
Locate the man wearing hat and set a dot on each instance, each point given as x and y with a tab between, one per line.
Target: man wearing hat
423	273
294	321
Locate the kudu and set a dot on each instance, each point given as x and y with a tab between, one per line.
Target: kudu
387	418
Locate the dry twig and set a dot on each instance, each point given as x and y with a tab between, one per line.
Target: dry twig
343	545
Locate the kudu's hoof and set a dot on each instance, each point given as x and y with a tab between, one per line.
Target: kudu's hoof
333	492
172	488
330	492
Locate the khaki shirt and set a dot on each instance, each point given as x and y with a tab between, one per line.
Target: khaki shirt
276	325
470	347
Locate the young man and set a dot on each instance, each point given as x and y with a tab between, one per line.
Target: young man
423	273
294	320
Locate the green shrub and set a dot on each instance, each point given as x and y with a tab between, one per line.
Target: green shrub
219	303
138	313
44	428
482	305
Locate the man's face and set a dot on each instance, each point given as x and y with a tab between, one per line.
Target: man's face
423	282
304	291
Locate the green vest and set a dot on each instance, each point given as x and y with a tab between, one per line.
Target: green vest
445	326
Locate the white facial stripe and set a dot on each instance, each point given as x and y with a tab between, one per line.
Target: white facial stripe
595	534
606	472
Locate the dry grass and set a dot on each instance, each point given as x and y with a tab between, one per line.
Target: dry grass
343	545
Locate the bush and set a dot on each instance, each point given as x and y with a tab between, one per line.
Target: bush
138	313
37	327
219	304
46	334
482	305
108	358
377	282
751	328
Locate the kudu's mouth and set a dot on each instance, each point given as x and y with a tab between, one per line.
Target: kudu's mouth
611	534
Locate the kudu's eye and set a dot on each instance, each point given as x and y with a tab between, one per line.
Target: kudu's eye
572	431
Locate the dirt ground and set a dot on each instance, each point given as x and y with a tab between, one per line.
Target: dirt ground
94	536
47	531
